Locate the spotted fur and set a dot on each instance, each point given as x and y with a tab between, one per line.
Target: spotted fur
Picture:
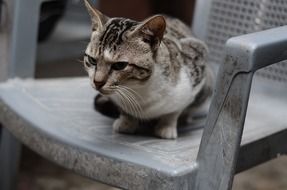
154	69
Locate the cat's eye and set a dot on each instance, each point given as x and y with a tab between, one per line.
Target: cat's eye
91	60
119	65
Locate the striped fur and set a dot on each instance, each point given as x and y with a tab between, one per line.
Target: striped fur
113	36
152	69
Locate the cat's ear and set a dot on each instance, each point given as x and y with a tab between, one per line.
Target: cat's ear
98	19
152	30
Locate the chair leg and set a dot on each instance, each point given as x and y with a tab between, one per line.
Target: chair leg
10	152
18	39
220	144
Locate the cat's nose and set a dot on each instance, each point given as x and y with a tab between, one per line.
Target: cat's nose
99	84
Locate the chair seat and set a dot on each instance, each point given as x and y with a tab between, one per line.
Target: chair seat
56	119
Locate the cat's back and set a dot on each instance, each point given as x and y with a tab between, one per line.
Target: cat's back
176	28
184	51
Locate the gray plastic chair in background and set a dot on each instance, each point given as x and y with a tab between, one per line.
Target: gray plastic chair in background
18	39
55	117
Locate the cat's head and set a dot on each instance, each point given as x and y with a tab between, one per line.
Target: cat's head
121	51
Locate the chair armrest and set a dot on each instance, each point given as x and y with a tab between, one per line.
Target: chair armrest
222	136
260	49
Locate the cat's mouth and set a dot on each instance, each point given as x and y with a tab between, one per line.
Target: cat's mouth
106	91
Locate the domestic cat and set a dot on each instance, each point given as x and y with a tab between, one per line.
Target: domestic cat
152	69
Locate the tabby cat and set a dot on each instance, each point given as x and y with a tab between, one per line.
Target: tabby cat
152	69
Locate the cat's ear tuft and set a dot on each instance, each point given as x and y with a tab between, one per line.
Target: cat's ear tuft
98	19
152	29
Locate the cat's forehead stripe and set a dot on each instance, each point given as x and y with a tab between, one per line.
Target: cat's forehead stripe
108	56
113	35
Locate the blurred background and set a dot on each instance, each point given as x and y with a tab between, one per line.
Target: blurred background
63	35
65	28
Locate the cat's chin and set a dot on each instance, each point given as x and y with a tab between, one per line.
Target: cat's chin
105	92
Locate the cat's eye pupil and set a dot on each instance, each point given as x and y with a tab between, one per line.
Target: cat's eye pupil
119	65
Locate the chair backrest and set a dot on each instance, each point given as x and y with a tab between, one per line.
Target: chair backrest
216	21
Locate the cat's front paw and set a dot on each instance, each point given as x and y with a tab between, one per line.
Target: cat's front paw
166	132
123	125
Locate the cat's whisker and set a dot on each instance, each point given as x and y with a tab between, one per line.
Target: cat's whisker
133	91
81	61
122	100
133	96
135	103
130	103
136	107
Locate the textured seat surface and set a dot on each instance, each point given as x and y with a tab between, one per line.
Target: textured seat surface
56	119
